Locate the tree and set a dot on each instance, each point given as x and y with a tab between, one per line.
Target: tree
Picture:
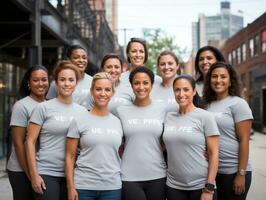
158	41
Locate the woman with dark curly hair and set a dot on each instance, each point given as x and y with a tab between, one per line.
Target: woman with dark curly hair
205	57
234	120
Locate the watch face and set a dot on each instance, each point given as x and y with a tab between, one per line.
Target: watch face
242	172
210	186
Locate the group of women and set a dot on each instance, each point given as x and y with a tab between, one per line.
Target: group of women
104	137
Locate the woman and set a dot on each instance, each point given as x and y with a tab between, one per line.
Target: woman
97	169
49	123
78	56
186	136
143	167
33	88
234	120
205	57
168	66
112	64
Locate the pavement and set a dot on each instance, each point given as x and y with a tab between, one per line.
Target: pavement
257	156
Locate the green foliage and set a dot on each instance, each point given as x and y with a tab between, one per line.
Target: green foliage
158	41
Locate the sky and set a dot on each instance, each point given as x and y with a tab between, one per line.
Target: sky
175	17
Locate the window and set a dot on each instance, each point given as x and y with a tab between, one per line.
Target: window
244	52
251	48
263	41
256	45
239	55
230	58
234	57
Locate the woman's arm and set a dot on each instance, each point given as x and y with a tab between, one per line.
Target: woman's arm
18	138
71	152
213	159
37	182
243	134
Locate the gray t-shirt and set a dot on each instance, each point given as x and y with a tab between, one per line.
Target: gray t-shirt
120	98
98	165
185	140
143	126
20	117
228	112
54	118
81	91
164	95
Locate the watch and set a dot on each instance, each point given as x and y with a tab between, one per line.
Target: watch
242	172
209	187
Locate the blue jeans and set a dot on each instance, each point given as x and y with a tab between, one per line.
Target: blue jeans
99	194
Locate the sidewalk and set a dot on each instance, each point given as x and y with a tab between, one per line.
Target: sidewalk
257	155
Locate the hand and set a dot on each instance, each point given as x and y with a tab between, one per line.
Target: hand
72	194
206	196
239	184
38	184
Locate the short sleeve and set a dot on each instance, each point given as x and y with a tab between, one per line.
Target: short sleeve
210	126
52	92
38	115
241	111
19	116
87	102
73	130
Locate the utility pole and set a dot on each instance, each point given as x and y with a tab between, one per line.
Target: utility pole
125	30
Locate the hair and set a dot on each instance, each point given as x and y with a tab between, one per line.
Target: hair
63	65
217	54
141	69
209	94
196	99
71	48
102	75
110	56
141	41
172	54
24	89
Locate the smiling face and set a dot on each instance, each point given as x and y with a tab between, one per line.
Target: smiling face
79	58
136	54
220	82
102	92
38	83
206	59
141	86
66	82
167	67
184	93
113	67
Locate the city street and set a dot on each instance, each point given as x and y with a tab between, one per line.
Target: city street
257	154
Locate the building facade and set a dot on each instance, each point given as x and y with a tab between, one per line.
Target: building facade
246	51
213	30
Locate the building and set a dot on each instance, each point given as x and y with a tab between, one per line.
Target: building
111	12
37	32
246	51
213	30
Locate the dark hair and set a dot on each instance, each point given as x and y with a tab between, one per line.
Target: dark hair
65	64
209	94
196	99
170	53
141	69
141	41
217	54
109	56
24	89
72	48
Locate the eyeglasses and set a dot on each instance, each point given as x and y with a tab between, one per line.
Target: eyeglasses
138	40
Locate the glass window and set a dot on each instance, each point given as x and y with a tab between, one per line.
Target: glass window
234	57
263	41
256	45
239	55
230	58
244	54
251	48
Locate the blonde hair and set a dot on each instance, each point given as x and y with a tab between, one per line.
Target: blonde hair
103	75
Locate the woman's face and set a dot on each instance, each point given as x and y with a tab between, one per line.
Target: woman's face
184	92
220	81
102	92
141	86
167	67
206	59
80	59
113	67
136	54
66	82
38	83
